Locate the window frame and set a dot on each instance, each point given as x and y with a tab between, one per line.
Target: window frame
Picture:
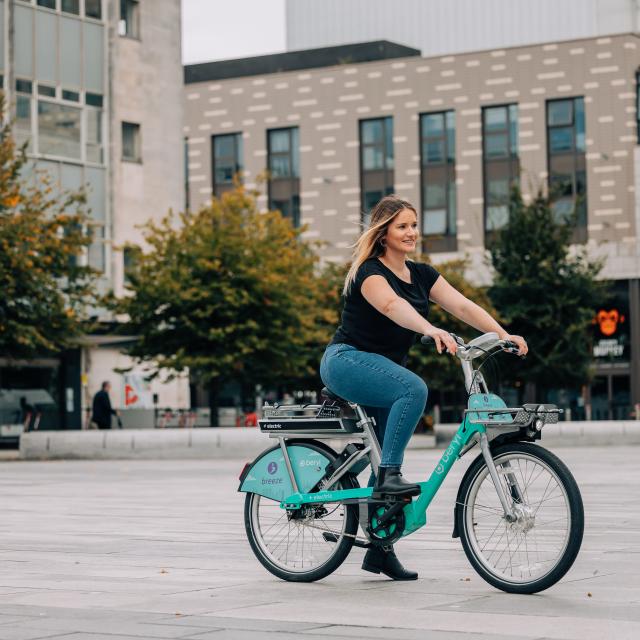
511	160
218	188
448	241
290	183
578	160
384	175
87	17
137	142
135	32
64	105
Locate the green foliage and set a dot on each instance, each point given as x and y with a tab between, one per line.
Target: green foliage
230	293
325	308
42	235
545	291
442	371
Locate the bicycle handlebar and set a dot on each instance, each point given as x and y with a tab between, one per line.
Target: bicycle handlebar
506	345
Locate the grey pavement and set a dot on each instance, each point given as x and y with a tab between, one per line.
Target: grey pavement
123	550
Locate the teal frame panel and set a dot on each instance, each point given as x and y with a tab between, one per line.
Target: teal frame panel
416	511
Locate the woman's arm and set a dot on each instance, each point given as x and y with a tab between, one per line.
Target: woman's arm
383	298
452	301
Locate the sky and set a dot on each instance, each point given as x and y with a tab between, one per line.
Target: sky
226	29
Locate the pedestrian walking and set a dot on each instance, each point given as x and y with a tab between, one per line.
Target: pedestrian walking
101	408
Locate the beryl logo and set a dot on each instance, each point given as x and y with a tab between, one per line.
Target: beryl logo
272	468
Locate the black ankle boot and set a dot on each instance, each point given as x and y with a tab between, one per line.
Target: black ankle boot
390	482
384	560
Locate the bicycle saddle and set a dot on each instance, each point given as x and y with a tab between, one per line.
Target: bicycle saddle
329	395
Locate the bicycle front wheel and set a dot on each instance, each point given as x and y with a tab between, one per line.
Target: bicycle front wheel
536	550
306	544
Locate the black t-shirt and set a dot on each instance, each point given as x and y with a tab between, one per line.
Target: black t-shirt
366	329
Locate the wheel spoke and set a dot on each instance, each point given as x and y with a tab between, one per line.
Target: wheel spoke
292	541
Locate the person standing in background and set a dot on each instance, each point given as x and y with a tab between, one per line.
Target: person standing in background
101	409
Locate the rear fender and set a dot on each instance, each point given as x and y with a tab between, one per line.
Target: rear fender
268	475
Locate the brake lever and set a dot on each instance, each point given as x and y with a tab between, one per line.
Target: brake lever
512	347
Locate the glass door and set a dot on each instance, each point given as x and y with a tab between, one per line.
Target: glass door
600	398
611	397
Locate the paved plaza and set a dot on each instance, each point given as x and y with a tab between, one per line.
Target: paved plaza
117	550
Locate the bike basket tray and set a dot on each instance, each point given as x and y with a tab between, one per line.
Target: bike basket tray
307	418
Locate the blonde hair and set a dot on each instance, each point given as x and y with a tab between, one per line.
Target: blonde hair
370	244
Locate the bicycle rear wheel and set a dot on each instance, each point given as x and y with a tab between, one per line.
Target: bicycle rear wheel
290	543
534	552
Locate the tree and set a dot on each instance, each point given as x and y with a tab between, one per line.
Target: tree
325	308
45	288
442	372
229	293
545	290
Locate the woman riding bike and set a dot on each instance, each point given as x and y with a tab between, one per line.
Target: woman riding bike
386	304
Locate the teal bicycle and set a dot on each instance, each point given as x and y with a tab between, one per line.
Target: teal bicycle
518	512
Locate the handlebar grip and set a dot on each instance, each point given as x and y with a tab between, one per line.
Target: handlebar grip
511	345
427	340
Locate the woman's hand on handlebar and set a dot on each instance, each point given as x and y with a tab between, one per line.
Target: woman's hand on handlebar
442	339
520	342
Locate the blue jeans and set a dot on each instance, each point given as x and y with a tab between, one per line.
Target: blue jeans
393	395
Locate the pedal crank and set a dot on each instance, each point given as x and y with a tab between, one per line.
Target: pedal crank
386	521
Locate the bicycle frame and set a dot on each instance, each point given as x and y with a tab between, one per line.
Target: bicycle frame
415	511
472	430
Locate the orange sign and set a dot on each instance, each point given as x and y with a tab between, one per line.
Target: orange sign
130	396
608	321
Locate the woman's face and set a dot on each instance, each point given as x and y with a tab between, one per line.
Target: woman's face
402	233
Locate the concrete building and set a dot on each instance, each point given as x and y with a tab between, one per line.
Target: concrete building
445	27
95	87
339	127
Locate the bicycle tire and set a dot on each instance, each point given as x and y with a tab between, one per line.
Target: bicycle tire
466	518
338	551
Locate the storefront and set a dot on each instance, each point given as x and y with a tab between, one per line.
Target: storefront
42	393
614	392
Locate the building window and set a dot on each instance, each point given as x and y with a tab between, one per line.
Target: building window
438	180
93	9
72	96
501	168
376	163
59	130
22	127
226	161
71	6
94	146
96	252
44	90
128	260
131	148
566	162
129	24
93	99
48	4
24	86
284	172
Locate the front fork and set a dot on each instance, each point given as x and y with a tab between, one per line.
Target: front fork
514	489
